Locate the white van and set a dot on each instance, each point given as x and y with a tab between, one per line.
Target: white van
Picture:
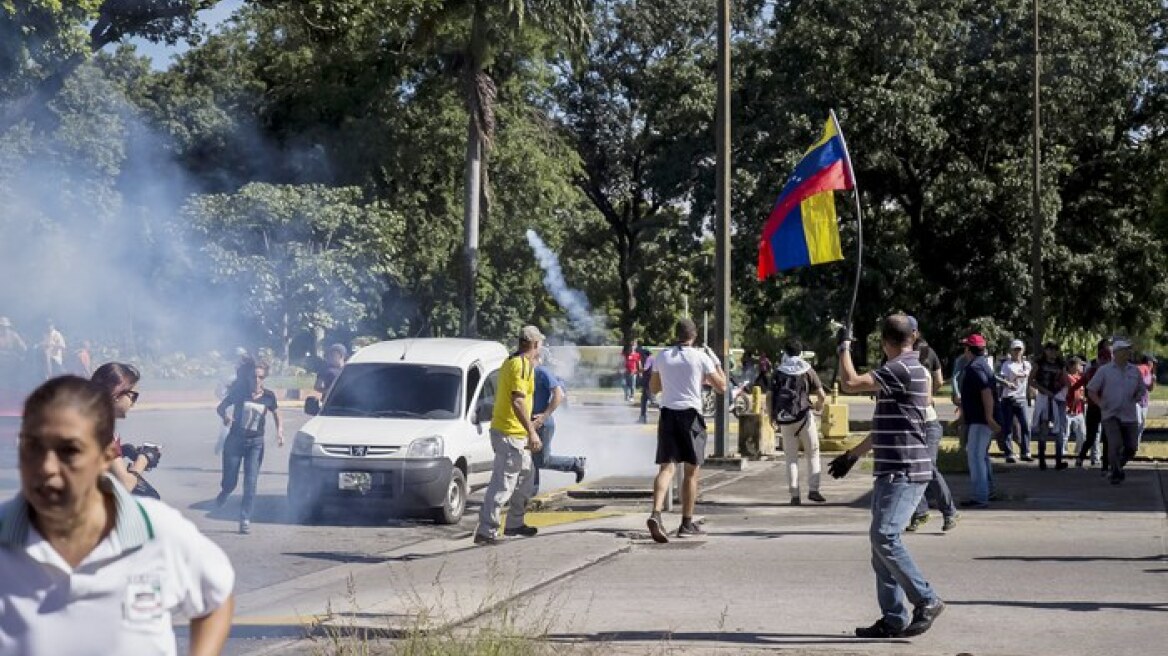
406	426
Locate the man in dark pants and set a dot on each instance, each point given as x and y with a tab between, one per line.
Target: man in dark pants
1117	388
902	469
678	375
1094	414
938	488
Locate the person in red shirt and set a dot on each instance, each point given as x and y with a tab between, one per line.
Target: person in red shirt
631	370
1076	404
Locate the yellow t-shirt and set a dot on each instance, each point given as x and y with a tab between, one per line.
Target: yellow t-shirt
516	375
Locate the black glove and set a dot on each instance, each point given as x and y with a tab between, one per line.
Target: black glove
842	464
152	453
844	334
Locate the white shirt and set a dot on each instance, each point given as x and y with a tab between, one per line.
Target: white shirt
1019	374
682	370
121	598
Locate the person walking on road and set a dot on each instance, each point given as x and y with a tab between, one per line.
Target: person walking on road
549	394
647	359
1076	422
979	415
53	347
1015	374
1050	404
1094	414
514	438
938	489
1116	388
630	369
243	412
791	388
902	470
678	375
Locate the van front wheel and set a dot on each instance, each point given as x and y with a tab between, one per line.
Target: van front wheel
451	511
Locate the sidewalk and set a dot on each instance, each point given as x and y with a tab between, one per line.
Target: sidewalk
1066	564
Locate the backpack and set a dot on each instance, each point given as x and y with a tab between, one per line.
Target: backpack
787	394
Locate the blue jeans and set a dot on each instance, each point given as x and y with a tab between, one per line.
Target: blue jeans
545	460
1011	410
248	451
629	381
977	450
894	498
938	489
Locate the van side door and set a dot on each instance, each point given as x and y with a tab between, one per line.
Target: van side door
480	454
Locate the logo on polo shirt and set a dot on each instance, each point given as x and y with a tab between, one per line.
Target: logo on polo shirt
143	602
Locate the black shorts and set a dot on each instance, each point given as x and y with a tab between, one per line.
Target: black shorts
681	436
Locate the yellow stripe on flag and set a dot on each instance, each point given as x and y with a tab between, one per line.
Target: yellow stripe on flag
828	133
820	228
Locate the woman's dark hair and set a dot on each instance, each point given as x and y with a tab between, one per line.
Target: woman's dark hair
245	383
114	375
92	400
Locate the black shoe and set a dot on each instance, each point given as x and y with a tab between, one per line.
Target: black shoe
690	530
1011	460
1059	466
923	617
815	496
916	522
485	540
581	463
1115	479
1027	459
879	630
1041	463
655	528
524	531
796	501
950	522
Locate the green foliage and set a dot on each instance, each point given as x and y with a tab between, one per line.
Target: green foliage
298	258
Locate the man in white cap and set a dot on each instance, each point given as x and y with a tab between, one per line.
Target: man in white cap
1117	388
514	439
1015	376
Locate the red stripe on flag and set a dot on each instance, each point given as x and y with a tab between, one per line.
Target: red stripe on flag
829	179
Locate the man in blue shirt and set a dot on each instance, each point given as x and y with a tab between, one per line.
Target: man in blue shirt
549	394
978	414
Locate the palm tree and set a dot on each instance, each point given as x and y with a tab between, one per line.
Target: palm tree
494	26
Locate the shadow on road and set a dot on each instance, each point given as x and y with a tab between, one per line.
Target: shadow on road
738	638
1080	606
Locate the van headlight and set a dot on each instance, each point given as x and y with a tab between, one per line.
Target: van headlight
302	444
425	447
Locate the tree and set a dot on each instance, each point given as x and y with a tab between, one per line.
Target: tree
638	110
298	258
42	42
935	112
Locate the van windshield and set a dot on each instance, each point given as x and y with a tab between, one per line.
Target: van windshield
395	390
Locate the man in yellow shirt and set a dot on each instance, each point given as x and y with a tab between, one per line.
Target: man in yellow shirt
514	439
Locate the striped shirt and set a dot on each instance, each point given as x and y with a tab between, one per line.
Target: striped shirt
898	425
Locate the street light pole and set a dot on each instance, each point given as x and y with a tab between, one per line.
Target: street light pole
1036	300
722	226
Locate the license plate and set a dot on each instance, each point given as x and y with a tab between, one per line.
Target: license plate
358	481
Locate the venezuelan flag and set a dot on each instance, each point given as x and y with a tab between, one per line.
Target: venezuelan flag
802	229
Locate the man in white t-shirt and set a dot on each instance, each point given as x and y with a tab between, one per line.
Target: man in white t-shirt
1015	377
678	374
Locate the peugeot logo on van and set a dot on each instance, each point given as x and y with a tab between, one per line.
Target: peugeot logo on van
358	451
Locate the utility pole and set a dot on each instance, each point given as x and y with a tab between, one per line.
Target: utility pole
722	226
470	252
1037	311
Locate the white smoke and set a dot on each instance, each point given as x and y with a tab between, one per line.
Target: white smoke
585	326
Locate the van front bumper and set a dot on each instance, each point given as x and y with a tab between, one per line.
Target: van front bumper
405	482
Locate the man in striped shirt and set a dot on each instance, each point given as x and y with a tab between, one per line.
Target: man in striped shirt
902	469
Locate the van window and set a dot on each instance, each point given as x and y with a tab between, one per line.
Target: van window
396	390
472	384
489	387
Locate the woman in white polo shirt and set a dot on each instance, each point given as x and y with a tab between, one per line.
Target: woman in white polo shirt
88	568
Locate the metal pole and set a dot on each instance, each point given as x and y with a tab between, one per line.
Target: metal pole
1037	310
722	225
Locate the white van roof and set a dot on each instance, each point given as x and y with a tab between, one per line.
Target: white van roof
448	351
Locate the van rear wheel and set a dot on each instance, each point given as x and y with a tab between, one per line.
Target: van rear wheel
451	511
